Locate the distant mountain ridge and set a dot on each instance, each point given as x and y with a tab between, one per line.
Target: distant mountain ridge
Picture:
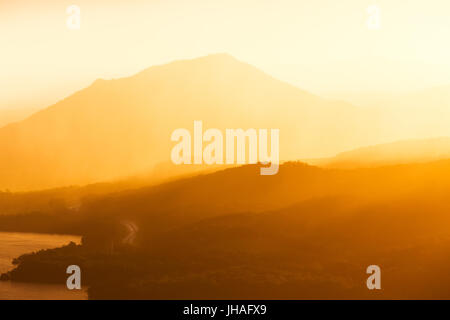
400	152
117	128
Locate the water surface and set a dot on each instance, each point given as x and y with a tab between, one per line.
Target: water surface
13	245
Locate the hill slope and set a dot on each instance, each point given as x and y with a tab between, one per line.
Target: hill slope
305	233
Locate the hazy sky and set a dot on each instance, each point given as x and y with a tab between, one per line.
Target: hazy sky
322	45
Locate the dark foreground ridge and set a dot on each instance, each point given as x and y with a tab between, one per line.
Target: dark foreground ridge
306	233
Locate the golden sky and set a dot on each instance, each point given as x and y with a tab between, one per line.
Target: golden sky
321	46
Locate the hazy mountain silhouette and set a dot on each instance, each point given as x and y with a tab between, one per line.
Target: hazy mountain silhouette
122	127
13	115
400	152
417	114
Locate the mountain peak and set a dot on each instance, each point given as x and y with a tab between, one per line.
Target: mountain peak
221	56
121	127
211	60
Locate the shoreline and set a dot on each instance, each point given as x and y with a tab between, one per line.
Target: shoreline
13	246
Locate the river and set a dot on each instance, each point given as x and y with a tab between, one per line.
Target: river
13	245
